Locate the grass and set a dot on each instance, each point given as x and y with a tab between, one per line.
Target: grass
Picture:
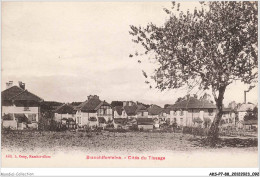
105	141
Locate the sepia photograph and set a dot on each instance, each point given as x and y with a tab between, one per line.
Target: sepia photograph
129	84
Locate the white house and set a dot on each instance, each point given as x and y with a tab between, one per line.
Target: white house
119	112
93	110
242	110
20	108
192	112
65	112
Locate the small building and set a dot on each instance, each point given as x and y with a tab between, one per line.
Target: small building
141	111
251	125
228	117
90	112
119	112
145	123
242	110
130	111
119	123
20	108
192	112
65	111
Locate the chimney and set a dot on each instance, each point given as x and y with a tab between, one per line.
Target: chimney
93	96
9	84
21	85
245	97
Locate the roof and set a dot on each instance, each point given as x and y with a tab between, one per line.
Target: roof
246	106
130	110
141	108
120	120
91	105
65	109
11	92
167	110
155	110
144	121
193	103
118	109
17	93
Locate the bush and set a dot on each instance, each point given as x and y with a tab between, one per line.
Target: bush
196	131
134	128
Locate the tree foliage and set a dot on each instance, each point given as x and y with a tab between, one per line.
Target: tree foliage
216	44
210	47
251	114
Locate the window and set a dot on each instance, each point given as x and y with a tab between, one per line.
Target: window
181	121
210	112
181	113
92	119
174	120
175	113
26	109
32	117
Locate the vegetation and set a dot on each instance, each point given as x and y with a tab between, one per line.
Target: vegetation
208	48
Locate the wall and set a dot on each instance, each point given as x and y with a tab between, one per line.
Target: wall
21	110
58	117
145	115
10	123
82	118
186	119
241	116
116	115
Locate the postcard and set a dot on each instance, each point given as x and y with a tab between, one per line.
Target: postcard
129	84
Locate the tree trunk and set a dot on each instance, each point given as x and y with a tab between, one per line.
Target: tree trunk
213	135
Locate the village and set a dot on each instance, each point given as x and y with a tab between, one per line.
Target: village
23	110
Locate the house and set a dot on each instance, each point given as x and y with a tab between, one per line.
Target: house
64	111
119	112
141	111
119	116
131	111
145	123
66	116
250	124
158	115
242	110
228	118
192	112
154	111
20	108
120	122
93	110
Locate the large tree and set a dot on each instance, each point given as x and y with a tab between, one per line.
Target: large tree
212	46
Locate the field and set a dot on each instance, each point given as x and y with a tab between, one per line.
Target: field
26	141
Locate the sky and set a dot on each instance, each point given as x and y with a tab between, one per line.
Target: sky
65	51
